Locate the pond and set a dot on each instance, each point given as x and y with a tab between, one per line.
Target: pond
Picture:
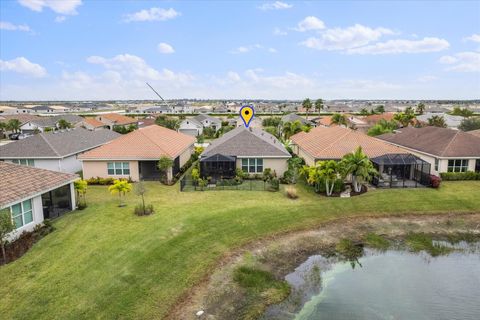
393	284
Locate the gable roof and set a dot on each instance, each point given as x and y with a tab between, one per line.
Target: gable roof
53	120
21	182
116	118
292	117
56	144
23	118
93	122
243	142
149	143
335	142
442	142
374	118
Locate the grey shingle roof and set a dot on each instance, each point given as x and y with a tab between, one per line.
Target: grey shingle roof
202	117
292	117
56	145
52	121
243	142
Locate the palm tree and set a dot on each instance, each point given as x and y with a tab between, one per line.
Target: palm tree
14	125
437	121
121	187
307	105
359	167
64	124
291	128
319	105
339	119
3	128
323	172
421	108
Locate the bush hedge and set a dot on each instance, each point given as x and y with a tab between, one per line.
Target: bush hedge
456	176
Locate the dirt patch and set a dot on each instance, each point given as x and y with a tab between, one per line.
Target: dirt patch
221	298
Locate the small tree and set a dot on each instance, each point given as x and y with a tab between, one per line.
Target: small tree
3	128
359	166
81	189
14	125
163	165
339	119
421	108
437	121
64	124
121	187
141	190
470	124
6	226
380	109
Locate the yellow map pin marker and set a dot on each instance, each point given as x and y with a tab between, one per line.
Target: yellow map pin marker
247	113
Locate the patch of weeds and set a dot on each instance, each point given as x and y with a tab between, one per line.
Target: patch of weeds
262	290
377	241
454	238
424	242
348	249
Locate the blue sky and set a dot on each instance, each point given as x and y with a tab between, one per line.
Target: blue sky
79	50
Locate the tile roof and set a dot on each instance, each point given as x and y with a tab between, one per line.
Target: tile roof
118	119
325	121
21	182
442	142
151	142
374	118
243	142
335	142
56	144
93	122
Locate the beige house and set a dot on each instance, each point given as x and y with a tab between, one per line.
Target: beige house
249	149
445	149
136	154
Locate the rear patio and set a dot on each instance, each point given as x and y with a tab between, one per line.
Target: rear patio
401	171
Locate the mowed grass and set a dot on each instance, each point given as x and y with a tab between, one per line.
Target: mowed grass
106	263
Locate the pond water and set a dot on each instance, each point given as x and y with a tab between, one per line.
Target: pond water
385	285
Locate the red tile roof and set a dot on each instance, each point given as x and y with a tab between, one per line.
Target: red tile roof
118	119
335	142
94	122
149	143
19	182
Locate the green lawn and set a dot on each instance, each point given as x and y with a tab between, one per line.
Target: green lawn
106	263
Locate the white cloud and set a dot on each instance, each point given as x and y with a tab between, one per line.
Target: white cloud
272	50
58	6
277	5
462	62
310	23
134	67
23	66
60	19
403	46
250	48
233	76
345	38
165	48
473	37
4	25
426	78
152	14
279	32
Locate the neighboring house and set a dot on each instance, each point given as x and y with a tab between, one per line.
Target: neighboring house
445	149
366	122
32	195
93	124
292	117
136	154
114	119
324	121
397	166
41	123
159	109
194	126
57	151
451	121
249	149
42	109
23	118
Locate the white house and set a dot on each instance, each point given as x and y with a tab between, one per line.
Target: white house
57	151
31	195
194	126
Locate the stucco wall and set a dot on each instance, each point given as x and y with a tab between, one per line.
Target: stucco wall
186	155
309	160
70	164
93	169
279	165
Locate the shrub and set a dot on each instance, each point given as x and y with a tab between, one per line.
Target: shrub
456	176
140	212
274	184
435	181
291	192
104	181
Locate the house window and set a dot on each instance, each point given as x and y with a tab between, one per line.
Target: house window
22	213
118	168
25	162
436	164
252	165
458	165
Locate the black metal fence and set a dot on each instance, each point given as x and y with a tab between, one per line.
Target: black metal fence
246	185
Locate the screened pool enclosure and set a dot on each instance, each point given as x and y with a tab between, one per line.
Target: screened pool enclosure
401	171
218	166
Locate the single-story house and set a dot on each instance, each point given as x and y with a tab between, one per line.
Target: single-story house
57	151
41	123
93	124
32	195
397	166
136	154
194	126
292	117
249	149
114	119
451	121
445	149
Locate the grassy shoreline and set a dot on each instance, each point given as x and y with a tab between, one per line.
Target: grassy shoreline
104	262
